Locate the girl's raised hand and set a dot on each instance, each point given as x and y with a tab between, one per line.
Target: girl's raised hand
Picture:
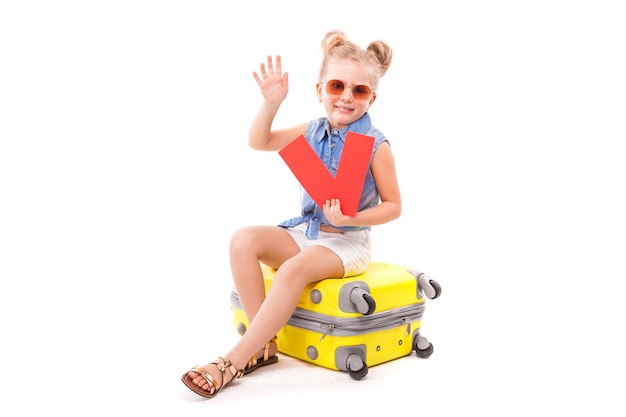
273	83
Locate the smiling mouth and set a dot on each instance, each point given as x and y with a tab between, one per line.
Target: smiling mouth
344	108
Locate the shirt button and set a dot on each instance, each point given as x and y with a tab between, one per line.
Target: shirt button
335	131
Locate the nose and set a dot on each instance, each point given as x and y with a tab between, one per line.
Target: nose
346	95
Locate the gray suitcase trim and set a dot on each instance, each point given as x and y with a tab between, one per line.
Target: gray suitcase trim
351	326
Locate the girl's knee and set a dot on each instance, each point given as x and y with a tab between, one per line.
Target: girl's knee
241	238
295	272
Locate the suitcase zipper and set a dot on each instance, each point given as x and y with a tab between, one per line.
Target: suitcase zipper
356	325
351	326
329	328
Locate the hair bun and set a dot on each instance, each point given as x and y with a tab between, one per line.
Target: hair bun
333	39
382	53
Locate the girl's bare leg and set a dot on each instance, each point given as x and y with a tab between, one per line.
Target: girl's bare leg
271	245
310	265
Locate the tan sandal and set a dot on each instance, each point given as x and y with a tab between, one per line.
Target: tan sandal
254	363
213	385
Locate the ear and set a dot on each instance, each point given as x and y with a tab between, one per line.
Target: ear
372	100
318	88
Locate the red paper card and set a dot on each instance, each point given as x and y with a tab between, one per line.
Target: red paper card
318	181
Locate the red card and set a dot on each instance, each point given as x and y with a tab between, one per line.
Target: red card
315	178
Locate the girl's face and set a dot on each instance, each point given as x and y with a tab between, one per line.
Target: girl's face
344	80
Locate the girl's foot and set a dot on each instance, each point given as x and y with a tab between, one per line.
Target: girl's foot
208	380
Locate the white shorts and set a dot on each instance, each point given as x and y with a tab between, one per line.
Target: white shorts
353	247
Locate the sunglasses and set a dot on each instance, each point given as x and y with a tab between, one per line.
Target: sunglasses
359	92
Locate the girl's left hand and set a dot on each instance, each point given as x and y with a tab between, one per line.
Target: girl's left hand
332	211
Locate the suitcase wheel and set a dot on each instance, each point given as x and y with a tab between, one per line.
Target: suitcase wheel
428	286
423	348
357	369
437	288
362	301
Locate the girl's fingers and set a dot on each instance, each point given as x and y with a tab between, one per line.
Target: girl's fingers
268	70
270	66
278	65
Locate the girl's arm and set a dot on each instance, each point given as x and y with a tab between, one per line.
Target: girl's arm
274	86
262	138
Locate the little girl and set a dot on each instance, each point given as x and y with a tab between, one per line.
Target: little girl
322	242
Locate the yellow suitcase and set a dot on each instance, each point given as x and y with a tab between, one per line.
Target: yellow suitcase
351	324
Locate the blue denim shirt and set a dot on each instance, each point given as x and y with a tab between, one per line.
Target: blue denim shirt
328	145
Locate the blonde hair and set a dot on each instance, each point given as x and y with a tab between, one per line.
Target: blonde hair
377	56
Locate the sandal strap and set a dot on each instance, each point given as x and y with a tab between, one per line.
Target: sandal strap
266	349
227	364
208	378
253	361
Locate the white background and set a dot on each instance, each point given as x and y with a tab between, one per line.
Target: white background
124	169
